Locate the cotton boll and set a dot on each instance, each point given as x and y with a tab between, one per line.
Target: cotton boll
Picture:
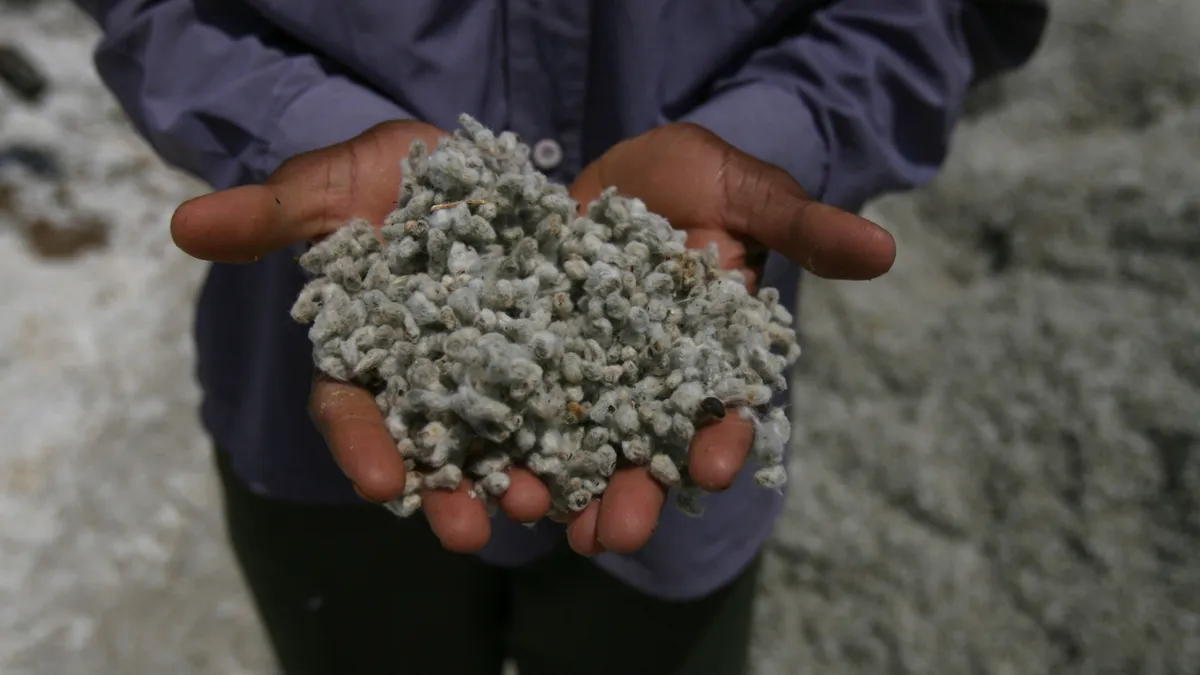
495	484
405	506
771	477
446	478
663	469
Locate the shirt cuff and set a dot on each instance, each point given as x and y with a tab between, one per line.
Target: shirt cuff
331	111
768	122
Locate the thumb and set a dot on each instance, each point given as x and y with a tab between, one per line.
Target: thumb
764	203
310	195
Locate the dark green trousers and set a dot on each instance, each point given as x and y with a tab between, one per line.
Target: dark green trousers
353	590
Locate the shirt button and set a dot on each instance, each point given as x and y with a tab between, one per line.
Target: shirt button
547	154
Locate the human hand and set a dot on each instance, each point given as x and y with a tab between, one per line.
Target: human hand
308	197
718	194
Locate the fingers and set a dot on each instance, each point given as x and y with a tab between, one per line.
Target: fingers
582	531
629	510
626	517
719	451
764	203
354	430
458	518
527	499
461	521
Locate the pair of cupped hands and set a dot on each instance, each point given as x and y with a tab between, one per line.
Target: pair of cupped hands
700	183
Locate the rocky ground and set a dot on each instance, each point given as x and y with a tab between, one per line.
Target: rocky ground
998	462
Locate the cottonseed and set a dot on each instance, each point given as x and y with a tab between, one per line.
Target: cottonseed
498	329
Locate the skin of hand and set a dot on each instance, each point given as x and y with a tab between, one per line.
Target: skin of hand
700	183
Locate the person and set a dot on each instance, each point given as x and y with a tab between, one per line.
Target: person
762	125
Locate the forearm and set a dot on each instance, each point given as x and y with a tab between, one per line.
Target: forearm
221	93
865	100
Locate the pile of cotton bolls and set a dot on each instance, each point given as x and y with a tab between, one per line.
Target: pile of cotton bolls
498	329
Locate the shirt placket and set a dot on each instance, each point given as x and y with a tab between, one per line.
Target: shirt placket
548	44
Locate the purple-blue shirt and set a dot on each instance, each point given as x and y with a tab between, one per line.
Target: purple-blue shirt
854	98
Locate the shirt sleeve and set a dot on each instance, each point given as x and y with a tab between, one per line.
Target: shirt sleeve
863	101
221	93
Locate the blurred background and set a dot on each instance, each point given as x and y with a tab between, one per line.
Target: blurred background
998	449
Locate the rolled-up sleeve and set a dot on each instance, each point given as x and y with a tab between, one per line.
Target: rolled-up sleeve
864	100
221	93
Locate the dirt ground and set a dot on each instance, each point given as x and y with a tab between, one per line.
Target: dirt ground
998	450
